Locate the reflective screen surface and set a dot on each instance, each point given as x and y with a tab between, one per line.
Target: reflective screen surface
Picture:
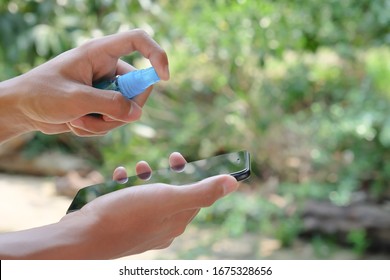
236	164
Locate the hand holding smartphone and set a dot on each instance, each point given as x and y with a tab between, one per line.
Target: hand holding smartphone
236	164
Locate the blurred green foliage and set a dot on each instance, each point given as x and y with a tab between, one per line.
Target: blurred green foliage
304	85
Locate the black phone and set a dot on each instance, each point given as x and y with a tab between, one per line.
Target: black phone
236	164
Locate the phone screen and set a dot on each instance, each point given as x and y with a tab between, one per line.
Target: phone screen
236	164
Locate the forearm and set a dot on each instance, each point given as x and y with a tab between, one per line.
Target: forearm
13	122
63	240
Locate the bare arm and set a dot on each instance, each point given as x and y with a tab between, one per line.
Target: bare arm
57	96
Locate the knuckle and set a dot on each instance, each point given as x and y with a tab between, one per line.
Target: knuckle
138	32
86	47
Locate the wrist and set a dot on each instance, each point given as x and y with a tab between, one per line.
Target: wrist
13	121
67	239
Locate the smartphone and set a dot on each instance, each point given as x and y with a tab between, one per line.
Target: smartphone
236	164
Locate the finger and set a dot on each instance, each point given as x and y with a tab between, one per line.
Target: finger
123	67
143	170
107	102
177	161
124	43
203	193
84	133
119	174
142	167
109	119
134	114
89	125
140	99
53	128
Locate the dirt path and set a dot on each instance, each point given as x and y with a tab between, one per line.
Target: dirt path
27	201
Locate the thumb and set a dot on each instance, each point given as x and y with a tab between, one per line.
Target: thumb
205	192
109	103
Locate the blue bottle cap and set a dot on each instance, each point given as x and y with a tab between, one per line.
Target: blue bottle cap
136	82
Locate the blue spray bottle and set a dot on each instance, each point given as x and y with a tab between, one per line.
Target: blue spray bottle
132	83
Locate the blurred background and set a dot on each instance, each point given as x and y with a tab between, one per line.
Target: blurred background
303	85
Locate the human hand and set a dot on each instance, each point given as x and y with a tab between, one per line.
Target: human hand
146	217
121	223
57	96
